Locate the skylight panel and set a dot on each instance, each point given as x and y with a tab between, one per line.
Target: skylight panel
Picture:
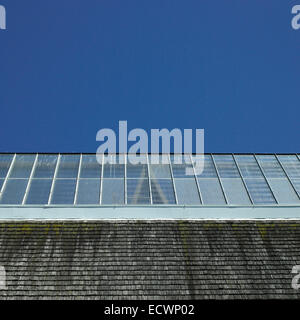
248	166
209	170
291	165
226	166
137	171
162	191
90	168
211	191
14	191
138	191
160	171
5	162
235	191
22	166
45	166
64	191
88	191
68	166
270	166
114	170
39	191
113	191
259	191
187	192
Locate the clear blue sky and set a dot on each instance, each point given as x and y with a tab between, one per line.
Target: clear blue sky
69	68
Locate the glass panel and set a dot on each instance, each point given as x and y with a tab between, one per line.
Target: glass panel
68	166
291	165
209	170
22	166
162	191
160	171
248	166
296	184
138	191
64	191
88	191
113	191
39	191
5	161
90	168
114	170
283	191
179	170
211	191
270	166
137	171
1	183
226	166
259	191
14	191
45	166
235	191
187	192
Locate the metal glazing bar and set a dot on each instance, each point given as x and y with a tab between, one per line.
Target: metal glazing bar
172	177
8	172
101	180
263	174
220	181
54	178
30	179
149	180
287	175
241	176
197	183
77	182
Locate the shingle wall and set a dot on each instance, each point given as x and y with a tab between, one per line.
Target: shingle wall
150	259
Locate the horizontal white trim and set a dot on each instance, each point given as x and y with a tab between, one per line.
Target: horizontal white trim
148	213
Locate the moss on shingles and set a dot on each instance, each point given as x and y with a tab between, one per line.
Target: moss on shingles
184	232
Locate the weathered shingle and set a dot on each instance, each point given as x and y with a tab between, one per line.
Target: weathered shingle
150	259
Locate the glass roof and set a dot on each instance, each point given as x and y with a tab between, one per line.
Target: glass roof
79	179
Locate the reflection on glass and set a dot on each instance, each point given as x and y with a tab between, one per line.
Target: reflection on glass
209	170
162	191
291	165
137	171
114	170
259	191
226	166
248	166
138	191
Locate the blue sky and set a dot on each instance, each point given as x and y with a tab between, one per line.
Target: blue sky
70	68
